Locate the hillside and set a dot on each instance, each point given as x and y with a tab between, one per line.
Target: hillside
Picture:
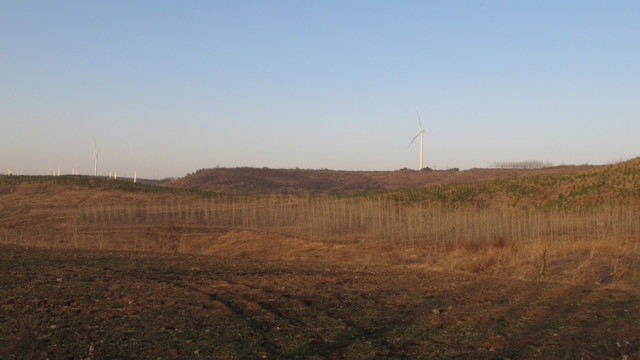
481	264
595	186
586	221
262	181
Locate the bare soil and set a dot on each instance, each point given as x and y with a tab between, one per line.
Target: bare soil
99	304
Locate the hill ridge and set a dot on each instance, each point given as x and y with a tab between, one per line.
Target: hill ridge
301	182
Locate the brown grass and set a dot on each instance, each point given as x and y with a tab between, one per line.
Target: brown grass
593	245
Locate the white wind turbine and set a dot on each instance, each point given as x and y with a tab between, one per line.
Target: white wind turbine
95	158
421	134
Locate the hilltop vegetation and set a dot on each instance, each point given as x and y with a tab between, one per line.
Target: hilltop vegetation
298	182
603	185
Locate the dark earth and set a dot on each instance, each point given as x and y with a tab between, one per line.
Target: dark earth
108	304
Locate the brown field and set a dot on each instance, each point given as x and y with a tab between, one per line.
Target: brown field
527	264
103	304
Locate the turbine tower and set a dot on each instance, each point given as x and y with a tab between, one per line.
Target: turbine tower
95	158
421	134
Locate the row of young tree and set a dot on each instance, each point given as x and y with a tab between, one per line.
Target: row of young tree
423	225
527	164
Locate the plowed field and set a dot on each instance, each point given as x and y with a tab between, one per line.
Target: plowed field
93	304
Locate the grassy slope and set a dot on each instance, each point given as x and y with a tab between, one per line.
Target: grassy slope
552	187
619	184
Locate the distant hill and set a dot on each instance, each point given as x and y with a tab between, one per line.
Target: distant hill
546	188
264	181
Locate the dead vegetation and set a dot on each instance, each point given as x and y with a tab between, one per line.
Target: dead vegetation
545	266
586	224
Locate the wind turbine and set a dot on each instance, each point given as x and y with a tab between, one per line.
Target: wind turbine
421	134
95	158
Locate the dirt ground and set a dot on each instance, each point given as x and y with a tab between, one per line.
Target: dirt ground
107	304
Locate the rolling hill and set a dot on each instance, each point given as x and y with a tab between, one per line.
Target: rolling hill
298	182
476	264
585	220
546	188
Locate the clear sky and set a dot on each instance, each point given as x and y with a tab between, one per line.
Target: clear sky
169	87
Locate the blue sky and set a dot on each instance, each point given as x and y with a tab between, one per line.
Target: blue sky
168	87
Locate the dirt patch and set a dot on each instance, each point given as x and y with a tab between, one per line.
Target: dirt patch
92	304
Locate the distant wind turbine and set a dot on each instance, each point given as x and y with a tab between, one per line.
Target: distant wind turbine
95	158
421	134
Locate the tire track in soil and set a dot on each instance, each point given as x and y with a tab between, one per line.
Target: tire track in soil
329	345
295	324
592	322
342	296
325	346
270	347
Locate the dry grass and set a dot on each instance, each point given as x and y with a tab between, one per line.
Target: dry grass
595	246
592	236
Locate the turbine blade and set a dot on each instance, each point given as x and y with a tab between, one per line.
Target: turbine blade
414	139
419	123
